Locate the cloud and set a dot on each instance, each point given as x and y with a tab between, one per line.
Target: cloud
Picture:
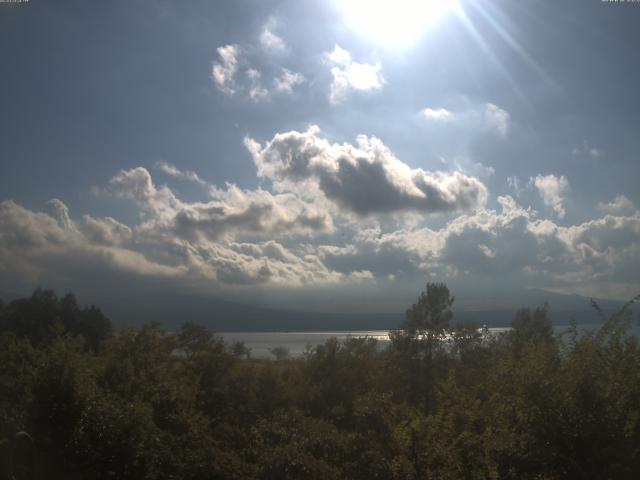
349	75
438	114
621	205
271	41
281	263
136	185
254	86
256	212
497	118
515	184
347	175
287	81
267	263
487	116
509	246
261	78
175	172
402	253
189	246
106	231
59	211
468	166
325	214
586	150
258	92
38	248
253	74
244	238
224	70
203	236
231	210
553	190
607	248
492	242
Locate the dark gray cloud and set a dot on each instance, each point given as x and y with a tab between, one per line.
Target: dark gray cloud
366	178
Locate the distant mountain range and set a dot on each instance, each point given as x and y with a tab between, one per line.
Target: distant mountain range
225	316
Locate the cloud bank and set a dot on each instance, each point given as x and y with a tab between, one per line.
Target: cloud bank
329	214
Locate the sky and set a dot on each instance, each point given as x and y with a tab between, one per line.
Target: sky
323	155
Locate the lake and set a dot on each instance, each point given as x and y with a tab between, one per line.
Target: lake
261	343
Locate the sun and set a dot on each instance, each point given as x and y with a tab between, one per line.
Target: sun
394	22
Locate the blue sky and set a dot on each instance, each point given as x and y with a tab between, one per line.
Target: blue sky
320	151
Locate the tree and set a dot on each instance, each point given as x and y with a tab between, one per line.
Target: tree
88	322
431	312
193	337
528	328
43	317
239	349
280	353
418	353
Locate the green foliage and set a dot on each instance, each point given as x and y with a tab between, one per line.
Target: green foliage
239	349
19	363
432	312
530	328
437	403
279	353
44	316
193	337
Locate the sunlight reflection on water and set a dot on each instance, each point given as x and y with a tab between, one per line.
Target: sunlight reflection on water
297	343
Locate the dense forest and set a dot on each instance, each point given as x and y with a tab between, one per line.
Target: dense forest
440	402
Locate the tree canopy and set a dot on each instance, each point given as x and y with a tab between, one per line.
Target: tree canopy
432	311
145	403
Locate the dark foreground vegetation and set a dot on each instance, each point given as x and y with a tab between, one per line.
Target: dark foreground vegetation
438	403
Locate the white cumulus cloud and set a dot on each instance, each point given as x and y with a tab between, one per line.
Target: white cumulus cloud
225	68
553	190
349	75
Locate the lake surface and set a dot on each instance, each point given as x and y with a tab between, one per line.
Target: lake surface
261	343
296	343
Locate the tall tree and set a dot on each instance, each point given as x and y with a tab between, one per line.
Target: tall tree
432	311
